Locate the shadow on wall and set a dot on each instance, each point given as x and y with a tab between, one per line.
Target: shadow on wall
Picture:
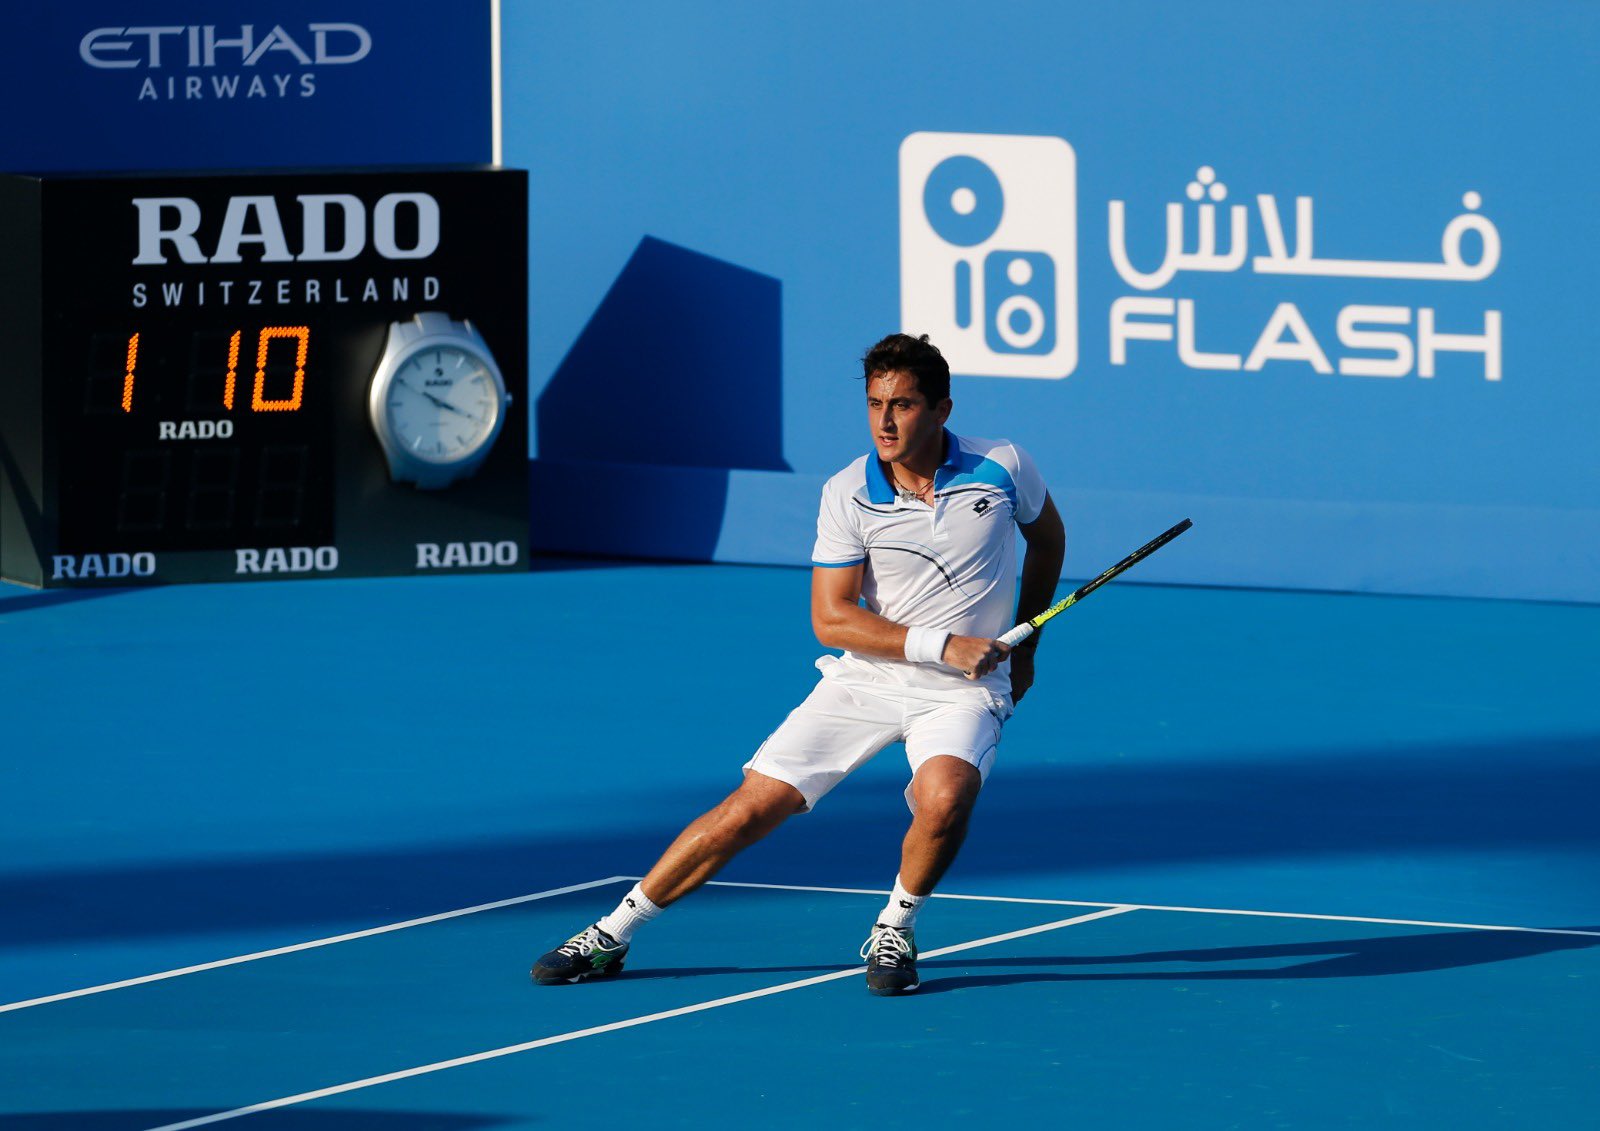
677	378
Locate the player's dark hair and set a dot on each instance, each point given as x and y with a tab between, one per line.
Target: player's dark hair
901	353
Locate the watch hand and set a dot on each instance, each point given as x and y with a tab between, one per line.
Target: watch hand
439	401
452	408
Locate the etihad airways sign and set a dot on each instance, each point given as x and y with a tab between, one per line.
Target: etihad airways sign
201	45
232	59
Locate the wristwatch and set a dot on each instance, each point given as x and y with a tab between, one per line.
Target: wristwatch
437	400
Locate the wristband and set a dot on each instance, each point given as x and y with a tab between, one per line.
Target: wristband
926	645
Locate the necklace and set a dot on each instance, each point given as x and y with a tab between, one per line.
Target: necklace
919	495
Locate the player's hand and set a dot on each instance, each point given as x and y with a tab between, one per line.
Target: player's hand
1021	673
974	656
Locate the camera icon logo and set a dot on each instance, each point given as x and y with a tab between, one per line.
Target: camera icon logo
988	251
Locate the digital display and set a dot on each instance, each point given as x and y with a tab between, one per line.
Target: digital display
199	439
192	398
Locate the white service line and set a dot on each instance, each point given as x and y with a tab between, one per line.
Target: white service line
273	953
352	935
578	1034
1159	907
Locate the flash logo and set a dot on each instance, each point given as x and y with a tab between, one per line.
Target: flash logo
989	251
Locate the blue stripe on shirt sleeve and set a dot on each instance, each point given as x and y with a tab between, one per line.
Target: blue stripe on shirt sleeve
838	565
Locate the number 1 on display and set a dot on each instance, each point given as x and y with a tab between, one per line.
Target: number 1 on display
259	401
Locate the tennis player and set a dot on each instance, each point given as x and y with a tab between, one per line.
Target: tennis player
914	573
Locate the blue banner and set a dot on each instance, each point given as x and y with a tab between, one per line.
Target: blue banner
183	84
1313	277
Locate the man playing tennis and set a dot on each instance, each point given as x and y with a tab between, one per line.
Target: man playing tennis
919	530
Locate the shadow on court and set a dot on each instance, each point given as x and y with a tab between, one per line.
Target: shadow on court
567	563
1489	798
285	1119
646	973
1343	958
18	599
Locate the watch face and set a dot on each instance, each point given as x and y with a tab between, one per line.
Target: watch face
442	404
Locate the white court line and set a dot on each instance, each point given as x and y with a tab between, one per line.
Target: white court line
124	984
578	1034
767	887
1159	907
273	953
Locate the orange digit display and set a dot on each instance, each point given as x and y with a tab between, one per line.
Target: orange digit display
233	370
302	336
127	378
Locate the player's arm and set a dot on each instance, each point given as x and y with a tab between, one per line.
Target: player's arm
840	622
1046	541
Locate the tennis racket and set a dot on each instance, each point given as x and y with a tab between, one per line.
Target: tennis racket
1017	635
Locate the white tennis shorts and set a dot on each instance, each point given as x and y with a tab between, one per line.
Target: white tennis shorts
844	722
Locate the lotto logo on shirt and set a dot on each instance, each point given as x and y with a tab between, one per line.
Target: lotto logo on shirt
988	251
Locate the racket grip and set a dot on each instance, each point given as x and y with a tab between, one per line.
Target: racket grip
1012	637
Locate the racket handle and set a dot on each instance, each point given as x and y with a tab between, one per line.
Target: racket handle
1015	636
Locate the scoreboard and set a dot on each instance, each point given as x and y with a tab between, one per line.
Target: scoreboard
263	375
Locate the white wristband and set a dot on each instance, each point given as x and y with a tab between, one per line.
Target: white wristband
926	645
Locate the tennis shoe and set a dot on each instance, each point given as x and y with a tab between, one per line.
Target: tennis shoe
591	953
891	954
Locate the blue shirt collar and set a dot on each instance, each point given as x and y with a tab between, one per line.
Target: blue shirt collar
880	490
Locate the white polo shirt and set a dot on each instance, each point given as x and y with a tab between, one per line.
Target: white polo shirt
951	565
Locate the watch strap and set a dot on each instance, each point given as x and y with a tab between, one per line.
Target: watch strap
433	322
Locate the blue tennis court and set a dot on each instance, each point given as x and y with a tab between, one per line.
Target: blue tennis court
283	854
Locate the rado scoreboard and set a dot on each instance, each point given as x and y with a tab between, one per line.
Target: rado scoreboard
260	375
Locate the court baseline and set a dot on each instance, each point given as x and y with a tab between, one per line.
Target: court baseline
552	892
628	1023
312	945
1100	911
1161	907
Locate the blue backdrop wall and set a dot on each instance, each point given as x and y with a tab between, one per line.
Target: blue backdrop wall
1317	276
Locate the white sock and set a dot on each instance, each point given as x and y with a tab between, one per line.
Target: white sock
902	908
633	912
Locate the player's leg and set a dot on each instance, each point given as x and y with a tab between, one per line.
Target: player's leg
758	806
821	742
944	790
746	815
951	748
